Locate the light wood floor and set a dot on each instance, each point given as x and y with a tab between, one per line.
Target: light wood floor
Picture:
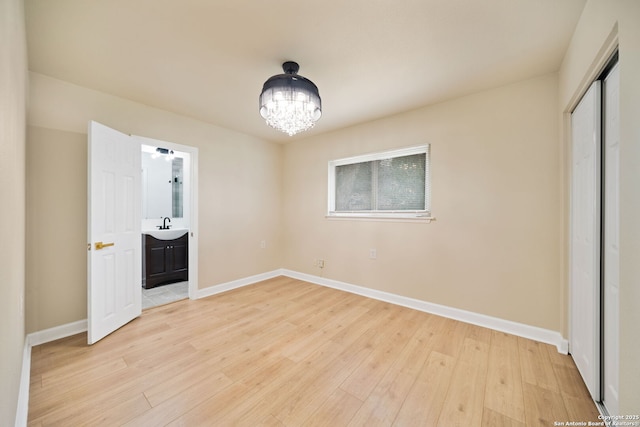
286	352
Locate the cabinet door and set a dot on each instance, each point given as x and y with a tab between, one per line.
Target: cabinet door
157	259
180	255
156	266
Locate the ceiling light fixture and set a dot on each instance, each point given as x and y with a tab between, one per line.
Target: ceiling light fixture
289	102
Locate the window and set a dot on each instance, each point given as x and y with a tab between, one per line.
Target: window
391	184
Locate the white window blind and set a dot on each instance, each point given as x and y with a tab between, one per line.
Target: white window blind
388	184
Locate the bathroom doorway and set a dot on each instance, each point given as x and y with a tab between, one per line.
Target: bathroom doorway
169	189
114	218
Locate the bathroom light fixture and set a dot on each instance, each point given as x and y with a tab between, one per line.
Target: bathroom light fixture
167	153
289	102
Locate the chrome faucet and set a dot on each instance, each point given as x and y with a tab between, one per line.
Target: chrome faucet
164	225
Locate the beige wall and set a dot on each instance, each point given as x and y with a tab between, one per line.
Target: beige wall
239	195
13	89
495	247
500	196
56	228
602	22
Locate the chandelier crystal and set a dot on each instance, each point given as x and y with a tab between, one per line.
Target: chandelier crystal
289	102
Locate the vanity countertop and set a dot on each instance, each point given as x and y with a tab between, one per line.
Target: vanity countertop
170	234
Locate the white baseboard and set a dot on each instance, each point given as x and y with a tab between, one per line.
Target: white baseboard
56	333
69	329
224	287
526	331
22	412
37	338
519	329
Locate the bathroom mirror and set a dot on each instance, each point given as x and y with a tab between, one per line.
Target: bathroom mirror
162	186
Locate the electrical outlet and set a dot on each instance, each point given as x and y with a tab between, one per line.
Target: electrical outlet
373	253
263	244
320	263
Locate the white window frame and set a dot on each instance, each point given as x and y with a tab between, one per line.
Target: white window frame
424	215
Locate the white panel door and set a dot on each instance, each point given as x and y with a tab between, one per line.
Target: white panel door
114	269
585	238
610	244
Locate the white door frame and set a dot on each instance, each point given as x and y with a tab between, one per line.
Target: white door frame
193	204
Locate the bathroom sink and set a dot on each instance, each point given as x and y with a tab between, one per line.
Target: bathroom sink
170	234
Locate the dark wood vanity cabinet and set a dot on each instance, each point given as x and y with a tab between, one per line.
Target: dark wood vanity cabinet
165	261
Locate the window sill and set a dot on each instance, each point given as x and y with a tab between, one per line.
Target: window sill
383	218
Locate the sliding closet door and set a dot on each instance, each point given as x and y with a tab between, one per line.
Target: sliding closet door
610	244
585	238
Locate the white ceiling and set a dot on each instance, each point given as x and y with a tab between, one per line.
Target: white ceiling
208	59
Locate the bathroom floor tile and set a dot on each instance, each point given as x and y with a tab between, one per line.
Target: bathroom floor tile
164	294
